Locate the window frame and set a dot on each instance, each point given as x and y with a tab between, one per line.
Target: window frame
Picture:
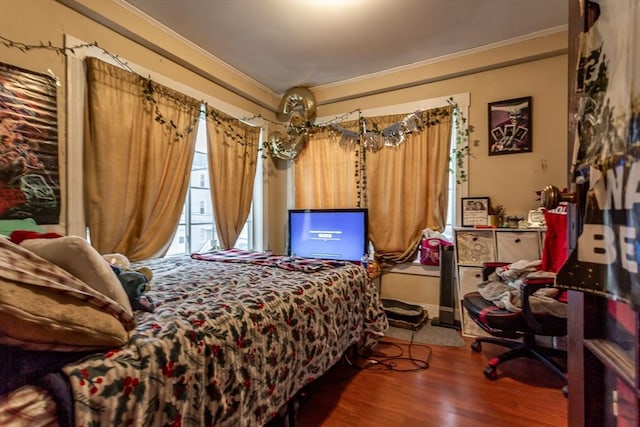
460	189
74	223
198	182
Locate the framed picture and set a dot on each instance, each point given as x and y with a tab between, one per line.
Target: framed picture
510	126
475	211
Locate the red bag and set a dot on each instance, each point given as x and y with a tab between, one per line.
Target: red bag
555	245
430	250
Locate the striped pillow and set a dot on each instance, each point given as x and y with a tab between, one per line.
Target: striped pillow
76	255
43	307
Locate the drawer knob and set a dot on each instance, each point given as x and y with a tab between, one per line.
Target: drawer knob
518	240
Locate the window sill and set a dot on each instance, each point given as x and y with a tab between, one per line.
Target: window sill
414	268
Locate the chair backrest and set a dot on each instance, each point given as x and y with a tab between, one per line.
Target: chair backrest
555	247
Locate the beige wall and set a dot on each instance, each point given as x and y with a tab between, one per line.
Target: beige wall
536	68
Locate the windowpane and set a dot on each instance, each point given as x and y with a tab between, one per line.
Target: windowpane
196	231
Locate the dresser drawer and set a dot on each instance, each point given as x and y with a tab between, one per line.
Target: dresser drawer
475	247
518	245
470	277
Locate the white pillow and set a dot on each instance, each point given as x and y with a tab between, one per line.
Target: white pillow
78	257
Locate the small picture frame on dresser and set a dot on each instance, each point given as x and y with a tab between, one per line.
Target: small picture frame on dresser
475	211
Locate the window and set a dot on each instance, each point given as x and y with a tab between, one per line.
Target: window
451	208
196	230
75	116
455	189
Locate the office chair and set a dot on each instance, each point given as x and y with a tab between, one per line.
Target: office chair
518	330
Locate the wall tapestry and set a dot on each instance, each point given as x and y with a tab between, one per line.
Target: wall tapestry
29	177
605	260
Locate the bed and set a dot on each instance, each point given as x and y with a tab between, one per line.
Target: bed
233	337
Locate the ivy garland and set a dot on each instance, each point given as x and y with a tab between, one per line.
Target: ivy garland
371	139
149	89
461	150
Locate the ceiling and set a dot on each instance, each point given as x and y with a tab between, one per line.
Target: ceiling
286	43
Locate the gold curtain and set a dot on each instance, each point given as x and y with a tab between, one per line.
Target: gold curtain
233	155
325	172
407	186
136	169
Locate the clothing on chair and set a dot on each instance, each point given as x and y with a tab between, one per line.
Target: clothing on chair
503	289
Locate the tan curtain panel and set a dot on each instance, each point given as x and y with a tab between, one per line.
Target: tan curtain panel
407	186
325	172
136	169
233	158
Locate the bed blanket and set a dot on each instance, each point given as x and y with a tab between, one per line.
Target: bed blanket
503	289
227	345
307	265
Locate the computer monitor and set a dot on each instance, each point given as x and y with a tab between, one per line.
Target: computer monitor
337	234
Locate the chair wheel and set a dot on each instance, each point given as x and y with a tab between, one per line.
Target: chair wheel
476	346
491	373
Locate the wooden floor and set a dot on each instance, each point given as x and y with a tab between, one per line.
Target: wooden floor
453	391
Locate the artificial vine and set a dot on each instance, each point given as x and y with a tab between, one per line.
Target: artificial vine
461	149
371	139
361	169
149	89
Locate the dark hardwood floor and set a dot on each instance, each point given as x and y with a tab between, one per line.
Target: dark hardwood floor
453	391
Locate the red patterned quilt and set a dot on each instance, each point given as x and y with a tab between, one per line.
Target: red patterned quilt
228	343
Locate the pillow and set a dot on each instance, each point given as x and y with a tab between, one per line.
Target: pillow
7	226
78	257
43	307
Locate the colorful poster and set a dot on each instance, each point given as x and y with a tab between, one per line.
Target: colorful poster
605	260
29	177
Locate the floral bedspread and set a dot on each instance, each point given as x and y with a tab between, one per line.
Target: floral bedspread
227	345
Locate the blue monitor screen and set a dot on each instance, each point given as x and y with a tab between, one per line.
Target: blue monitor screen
339	234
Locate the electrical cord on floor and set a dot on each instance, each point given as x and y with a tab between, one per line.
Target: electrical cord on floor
391	362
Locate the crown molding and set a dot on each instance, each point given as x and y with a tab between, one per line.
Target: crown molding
104	14
534	47
444	58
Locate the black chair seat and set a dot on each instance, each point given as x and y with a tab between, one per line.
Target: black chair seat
504	323
492	318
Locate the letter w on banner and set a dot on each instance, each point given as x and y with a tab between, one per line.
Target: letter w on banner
605	260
